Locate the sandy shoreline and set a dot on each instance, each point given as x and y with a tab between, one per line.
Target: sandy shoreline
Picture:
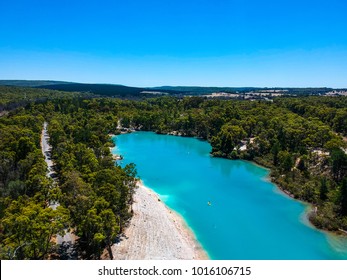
156	232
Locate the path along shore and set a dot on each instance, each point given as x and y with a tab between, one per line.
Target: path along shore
46	151
156	232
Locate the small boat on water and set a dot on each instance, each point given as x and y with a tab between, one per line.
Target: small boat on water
209	203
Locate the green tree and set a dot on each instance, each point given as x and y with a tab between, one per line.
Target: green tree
302	165
275	150
286	161
111	228
28	229
344	197
25	146
323	191
339	163
228	138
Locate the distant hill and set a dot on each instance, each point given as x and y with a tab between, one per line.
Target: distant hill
97	89
113	90
30	83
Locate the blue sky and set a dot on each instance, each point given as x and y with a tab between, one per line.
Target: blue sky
177	42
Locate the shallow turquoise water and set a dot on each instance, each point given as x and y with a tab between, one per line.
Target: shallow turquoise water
248	217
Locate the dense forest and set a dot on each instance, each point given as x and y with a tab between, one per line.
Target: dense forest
300	139
13	97
95	196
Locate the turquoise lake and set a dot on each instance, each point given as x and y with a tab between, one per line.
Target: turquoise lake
249	218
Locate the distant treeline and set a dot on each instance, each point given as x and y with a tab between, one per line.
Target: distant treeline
108	90
190	90
112	90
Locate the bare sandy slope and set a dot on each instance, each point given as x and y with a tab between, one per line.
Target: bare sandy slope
156	233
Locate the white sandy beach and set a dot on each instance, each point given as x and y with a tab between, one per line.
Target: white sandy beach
156	232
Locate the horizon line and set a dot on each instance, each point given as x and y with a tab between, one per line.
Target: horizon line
165	85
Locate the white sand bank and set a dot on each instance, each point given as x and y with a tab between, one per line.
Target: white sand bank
156	232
